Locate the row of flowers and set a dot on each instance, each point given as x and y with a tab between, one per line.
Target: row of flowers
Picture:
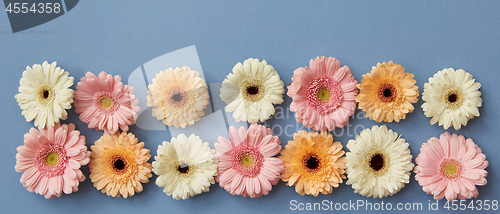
378	163
324	96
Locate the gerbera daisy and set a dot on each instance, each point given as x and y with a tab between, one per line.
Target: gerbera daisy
185	167
178	96
44	94
451	98
104	103
51	158
246	163
252	90
118	164
378	163
323	96
387	93
313	163
451	167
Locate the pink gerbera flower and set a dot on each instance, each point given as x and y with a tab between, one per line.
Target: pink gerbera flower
104	103
323	96
51	158
246	163
451	167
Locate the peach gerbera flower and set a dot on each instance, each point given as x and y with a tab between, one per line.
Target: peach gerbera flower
323	96
451	167
104	103
313	163
178	96
387	93
51	158
246	163
118	164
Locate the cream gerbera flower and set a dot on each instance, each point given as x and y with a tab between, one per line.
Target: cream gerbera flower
185	167
44	94
313	163
252	90
451	98
118	164
178	96
387	93
379	162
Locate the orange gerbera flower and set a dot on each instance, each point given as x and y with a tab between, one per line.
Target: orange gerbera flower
313	163
118	164
387	93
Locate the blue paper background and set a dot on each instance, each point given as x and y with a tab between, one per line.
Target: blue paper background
120	36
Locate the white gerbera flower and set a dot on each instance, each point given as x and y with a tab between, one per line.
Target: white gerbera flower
451	98
44	94
379	162
185	167
178	96
252	90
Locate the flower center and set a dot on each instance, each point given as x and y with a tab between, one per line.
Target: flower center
252	90
323	94
386	92
453	99
183	168
119	164
177	97
311	162
106	102
51	158
451	169
246	160
377	162
45	94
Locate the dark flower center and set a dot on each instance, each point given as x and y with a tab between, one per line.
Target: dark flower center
119	164
46	94
387	92
183	168
452	98
312	163
177	97
377	162
252	90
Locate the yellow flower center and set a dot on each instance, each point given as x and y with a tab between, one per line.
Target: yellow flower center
106	103
323	94
450	169
247	160
51	158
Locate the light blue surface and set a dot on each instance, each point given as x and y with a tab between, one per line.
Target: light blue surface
120	36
